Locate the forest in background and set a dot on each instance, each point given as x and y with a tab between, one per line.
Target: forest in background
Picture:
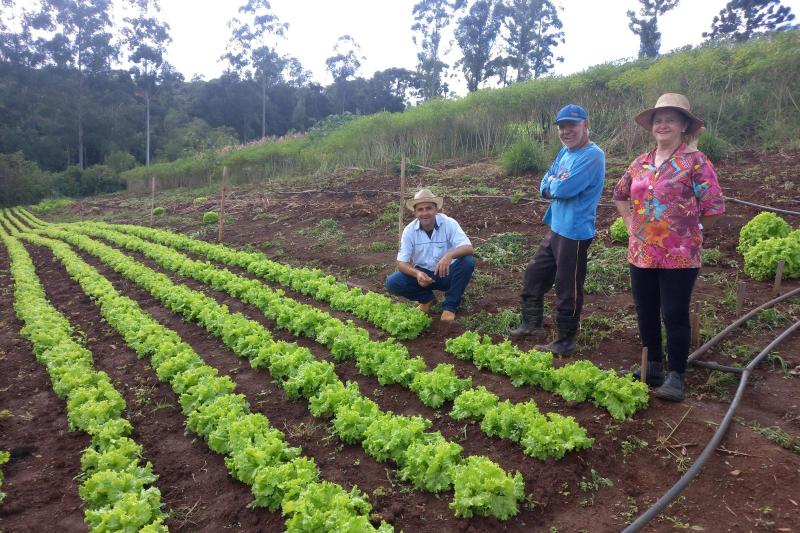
73	122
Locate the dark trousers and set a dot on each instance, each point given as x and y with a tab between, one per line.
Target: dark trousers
664	294
560	261
453	285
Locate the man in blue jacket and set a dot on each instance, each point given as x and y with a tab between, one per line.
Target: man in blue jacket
574	183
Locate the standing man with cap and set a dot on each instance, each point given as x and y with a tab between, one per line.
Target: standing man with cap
435	254
574	183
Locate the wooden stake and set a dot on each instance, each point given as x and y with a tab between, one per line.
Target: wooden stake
402	197
694	317
740	298
776	288
152	198
222	203
643	367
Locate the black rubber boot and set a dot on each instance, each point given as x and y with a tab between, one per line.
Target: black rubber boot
565	340
673	388
532	315
655	373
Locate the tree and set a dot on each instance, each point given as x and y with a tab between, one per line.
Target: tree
740	20
432	17
344	64
533	30
252	48
647	26
146	38
81	40
476	34
17	47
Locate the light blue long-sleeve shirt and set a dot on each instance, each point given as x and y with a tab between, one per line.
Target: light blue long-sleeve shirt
574	182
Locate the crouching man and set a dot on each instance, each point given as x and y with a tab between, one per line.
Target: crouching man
435	254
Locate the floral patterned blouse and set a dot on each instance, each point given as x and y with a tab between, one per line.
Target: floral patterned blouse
667	205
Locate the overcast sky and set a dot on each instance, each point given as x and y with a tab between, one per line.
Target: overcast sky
596	31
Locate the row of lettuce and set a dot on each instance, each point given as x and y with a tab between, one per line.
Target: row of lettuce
428	460
255	452
541	436
399	320
116	485
352	342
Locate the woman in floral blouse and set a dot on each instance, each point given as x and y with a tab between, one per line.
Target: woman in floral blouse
666	197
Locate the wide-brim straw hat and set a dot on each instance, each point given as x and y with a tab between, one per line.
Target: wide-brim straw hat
670	101
423	196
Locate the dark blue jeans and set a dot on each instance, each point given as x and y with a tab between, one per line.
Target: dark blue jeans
453	284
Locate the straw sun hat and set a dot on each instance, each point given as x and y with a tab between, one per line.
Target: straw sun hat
670	101
424	195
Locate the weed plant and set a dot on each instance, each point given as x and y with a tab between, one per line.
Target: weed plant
607	272
504	250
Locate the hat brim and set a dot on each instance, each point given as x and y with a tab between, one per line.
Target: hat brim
645	119
412	203
569	119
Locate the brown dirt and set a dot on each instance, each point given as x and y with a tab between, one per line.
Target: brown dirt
750	484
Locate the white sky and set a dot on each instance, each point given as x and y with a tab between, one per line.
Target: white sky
596	31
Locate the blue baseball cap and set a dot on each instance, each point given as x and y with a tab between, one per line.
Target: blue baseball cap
572	113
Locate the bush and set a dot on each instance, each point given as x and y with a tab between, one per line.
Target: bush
119	161
48	204
715	148
761	259
200	200
762	226
619	233
523	156
158	211
210	217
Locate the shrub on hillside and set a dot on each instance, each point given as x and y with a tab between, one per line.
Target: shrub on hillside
48	204
761	227
210	217
158	211
715	148
523	156
200	200
619	233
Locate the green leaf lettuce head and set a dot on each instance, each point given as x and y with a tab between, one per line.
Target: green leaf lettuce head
761	227
482	488
761	260
618	231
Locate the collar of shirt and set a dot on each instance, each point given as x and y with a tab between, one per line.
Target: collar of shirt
651	155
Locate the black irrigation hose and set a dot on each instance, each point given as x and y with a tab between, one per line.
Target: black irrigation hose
763	207
736	323
684	481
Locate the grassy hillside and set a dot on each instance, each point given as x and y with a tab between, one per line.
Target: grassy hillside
744	92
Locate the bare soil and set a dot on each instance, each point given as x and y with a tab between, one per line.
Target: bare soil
750	484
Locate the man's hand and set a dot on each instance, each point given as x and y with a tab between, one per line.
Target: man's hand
423	279
443	266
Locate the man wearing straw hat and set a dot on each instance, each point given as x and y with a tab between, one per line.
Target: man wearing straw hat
574	183
435	254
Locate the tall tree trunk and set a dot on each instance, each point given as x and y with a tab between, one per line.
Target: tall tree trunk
81	162
147	126
264	108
